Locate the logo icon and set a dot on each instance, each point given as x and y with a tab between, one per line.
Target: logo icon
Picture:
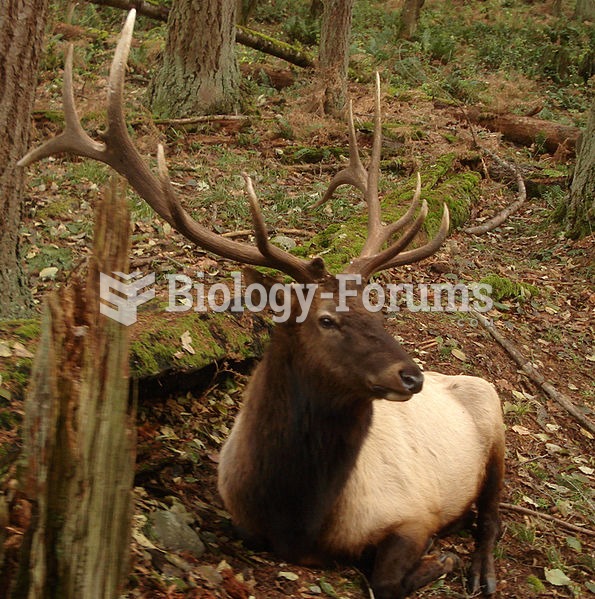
121	294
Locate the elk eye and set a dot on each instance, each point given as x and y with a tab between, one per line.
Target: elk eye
326	322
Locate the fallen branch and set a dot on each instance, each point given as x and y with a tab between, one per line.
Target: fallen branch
283	231
209	118
268	45
246	37
497	220
533	374
529	512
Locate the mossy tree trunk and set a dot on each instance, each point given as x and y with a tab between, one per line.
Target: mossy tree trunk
580	216
199	74
334	53
79	436
22	23
409	18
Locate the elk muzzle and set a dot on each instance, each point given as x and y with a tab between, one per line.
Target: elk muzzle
396	383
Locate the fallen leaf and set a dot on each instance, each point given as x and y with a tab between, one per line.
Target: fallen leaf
458	354
5	351
48	273
20	351
287	575
521	430
186	339
574	543
556	577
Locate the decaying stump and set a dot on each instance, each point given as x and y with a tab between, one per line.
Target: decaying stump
79	435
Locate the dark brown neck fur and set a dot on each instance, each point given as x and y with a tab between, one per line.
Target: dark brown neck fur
307	432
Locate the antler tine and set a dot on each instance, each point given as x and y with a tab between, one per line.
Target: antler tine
371	194
368	265
74	138
391	229
417	254
354	174
116	122
276	257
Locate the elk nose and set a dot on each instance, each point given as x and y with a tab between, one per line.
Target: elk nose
412	379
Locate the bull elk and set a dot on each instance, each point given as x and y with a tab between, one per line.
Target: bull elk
343	449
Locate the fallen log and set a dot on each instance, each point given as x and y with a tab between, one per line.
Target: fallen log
527	130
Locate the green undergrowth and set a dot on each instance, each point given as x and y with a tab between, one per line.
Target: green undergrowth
507	289
441	184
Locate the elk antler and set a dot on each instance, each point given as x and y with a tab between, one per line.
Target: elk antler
372	259
117	150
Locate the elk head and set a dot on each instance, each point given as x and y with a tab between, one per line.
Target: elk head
379	252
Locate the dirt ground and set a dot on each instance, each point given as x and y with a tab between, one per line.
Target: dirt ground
548	544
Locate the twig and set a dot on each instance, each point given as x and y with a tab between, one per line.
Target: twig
525	510
533	374
209	118
497	220
246	232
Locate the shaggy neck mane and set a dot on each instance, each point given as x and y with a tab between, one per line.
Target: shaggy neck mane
310	429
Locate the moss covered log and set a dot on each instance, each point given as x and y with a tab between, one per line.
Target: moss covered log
340	242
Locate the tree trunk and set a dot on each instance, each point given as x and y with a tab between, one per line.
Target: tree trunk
22	23
334	53
580	216
409	18
199	74
585	10
79	436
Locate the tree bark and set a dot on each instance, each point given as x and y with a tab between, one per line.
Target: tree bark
199	74
580	216
22	23
79	436
409	18
584	10
246	37
334	53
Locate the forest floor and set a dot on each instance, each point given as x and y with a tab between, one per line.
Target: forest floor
545	309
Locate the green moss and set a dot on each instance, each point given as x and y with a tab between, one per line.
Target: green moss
57	207
339	243
535	584
156	345
506	289
30	329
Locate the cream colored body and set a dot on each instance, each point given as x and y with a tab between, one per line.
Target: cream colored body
419	469
422	463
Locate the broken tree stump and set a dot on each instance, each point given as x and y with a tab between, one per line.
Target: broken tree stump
80	435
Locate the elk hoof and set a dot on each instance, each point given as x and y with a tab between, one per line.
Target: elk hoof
478	583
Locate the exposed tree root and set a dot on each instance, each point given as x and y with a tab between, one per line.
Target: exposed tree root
535	376
497	220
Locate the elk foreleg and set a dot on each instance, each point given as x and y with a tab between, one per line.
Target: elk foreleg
401	565
482	576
